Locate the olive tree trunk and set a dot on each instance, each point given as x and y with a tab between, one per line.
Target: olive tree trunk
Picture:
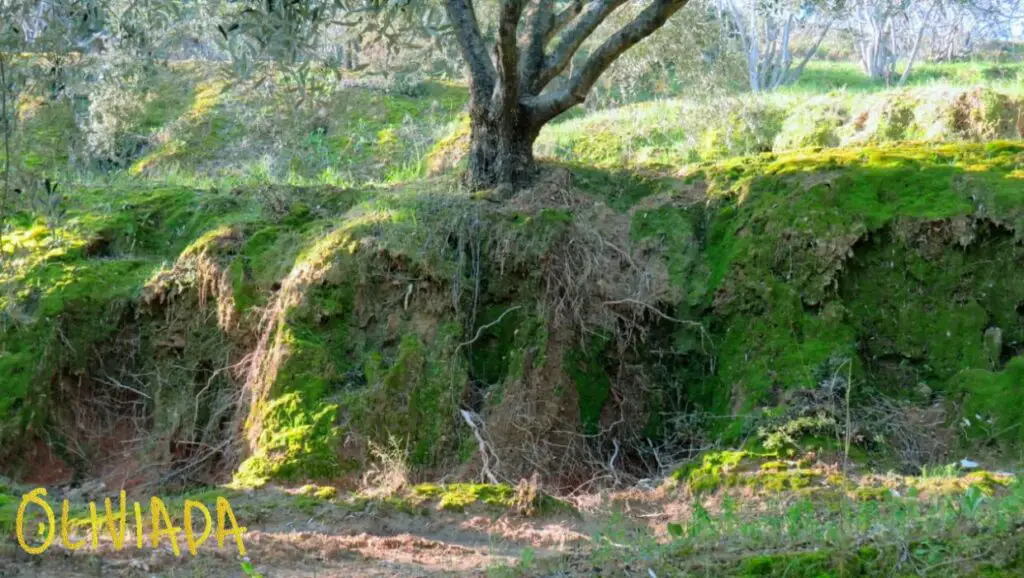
509	97
501	150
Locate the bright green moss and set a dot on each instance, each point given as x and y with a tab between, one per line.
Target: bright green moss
318	492
813	124
900	294
993	405
593	386
298	440
458	497
674	233
790	480
865	254
751	127
714	470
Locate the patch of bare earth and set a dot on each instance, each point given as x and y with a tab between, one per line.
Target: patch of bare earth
333	541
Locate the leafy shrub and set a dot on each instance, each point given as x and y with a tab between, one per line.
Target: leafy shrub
112	127
815	124
748	128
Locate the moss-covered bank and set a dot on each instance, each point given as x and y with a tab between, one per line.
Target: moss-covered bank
419	318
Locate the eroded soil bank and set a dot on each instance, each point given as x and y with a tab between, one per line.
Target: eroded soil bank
598	329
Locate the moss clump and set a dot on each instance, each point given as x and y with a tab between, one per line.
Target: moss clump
765	472
992	402
815	124
457	497
751	127
299	440
789	480
871	494
987	482
319	492
714	470
774	466
893	259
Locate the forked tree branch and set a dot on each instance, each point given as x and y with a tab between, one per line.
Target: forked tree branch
795	74
653	17
471	43
539	20
562	19
506	93
575	34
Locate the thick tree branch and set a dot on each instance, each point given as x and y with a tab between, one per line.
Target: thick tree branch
593	14
562	19
795	74
917	45
506	92
538	21
548	106
471	43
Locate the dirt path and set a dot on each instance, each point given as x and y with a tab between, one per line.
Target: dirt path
328	541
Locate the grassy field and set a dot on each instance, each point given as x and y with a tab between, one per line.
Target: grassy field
188	129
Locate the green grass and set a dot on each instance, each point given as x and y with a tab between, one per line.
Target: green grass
823	76
813	536
675	133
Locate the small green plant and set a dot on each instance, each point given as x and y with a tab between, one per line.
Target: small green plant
675	529
946	471
526	559
700	521
248	569
972	499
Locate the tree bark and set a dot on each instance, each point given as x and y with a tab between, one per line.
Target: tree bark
508	101
501	150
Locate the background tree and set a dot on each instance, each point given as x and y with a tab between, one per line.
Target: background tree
956	26
887	31
510	76
691	56
765	30
874	23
